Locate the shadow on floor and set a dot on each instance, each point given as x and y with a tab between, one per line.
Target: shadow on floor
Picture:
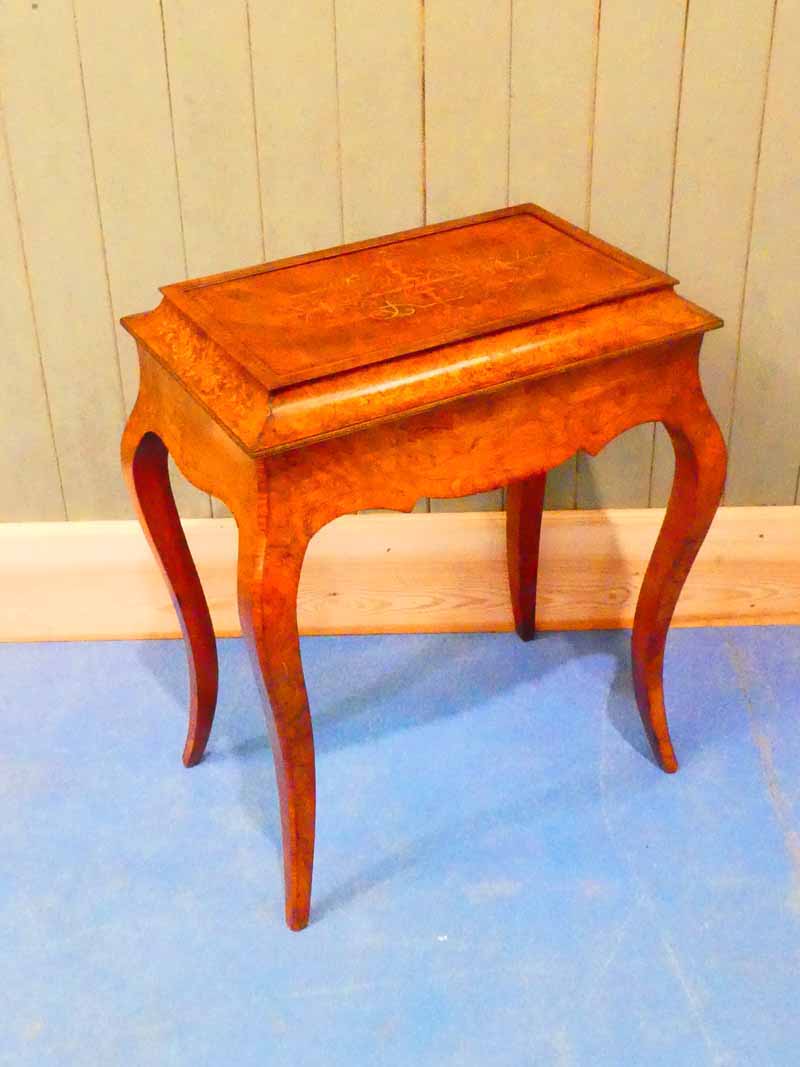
364	689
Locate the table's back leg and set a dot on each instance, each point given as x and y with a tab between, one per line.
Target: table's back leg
700	465
524	503
145	463
270	561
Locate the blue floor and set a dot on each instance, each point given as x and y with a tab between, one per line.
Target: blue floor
503	876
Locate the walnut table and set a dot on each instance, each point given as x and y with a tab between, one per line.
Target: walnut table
442	361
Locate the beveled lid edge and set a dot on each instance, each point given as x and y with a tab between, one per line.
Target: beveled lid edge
236	400
257	420
313	411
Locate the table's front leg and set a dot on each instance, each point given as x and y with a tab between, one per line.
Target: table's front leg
700	465
270	561
145	464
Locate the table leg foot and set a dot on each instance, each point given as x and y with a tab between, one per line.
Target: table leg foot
269	573
145	463
700	465
524	503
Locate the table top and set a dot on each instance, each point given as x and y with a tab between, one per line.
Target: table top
368	315
300	319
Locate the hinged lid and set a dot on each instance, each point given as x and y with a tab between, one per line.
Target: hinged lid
299	349
305	318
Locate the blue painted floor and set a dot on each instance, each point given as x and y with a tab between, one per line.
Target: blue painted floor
503	876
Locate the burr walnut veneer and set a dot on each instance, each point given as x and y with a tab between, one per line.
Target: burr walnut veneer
442	361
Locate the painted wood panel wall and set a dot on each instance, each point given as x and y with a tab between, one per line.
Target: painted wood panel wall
156	140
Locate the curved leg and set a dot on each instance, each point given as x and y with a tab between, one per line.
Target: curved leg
524	503
269	573
700	464
144	460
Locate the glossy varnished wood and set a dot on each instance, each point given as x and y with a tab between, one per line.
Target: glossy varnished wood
145	462
307	317
524	504
592	343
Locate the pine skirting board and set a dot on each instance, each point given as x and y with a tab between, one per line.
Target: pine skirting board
389	573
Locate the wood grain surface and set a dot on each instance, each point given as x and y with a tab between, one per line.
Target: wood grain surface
395	573
292	321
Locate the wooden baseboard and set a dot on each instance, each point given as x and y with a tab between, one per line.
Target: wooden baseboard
392	573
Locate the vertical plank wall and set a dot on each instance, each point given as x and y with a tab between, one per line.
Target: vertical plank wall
148	142
631	186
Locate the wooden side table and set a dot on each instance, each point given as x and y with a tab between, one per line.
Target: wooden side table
441	361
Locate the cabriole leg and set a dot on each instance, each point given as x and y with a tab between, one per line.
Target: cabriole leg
145	463
700	465
270	561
